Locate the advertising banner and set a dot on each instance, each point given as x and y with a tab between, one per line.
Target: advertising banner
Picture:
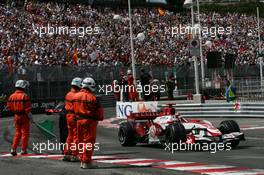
123	109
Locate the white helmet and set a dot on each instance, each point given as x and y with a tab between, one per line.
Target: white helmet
129	72
77	82
21	84
89	83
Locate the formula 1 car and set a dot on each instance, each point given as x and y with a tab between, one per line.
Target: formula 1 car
168	127
53	110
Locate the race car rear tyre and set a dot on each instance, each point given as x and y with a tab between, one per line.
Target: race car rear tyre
126	135
175	133
229	126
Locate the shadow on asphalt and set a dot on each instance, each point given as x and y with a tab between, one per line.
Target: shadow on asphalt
242	147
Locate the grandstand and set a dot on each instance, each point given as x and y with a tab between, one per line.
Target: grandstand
158	48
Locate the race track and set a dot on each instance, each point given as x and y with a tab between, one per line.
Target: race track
142	159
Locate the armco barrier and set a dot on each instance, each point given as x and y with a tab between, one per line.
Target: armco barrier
243	109
39	106
186	108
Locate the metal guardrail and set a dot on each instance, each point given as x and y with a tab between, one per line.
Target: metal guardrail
39	106
240	109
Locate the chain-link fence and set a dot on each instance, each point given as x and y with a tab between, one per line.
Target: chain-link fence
51	82
249	89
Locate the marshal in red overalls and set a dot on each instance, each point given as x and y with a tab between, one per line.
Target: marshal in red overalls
19	104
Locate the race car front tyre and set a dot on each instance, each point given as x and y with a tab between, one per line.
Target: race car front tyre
126	135
175	133
229	126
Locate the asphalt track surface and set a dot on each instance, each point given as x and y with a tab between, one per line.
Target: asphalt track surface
142	159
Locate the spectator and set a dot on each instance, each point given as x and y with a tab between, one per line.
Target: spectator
155	89
230	92
145	83
116	89
170	84
132	93
124	86
19	36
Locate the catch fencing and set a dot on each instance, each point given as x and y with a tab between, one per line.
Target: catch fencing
53	82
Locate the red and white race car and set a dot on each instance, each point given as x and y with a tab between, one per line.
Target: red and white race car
53	110
168	127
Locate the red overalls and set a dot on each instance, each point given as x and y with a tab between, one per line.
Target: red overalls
132	95
72	140
89	112
19	104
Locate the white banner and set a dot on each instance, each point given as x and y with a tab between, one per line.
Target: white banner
123	109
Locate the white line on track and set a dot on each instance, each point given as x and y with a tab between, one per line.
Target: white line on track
193	167
252	128
203	167
251	172
122	160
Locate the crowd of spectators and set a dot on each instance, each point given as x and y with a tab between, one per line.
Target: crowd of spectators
20	42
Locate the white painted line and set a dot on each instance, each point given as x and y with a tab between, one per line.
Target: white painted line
51	156
203	167
252	128
122	160
249	172
153	162
38	156
103	157
27	155
200	168
170	164
142	164
6	155
58	155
